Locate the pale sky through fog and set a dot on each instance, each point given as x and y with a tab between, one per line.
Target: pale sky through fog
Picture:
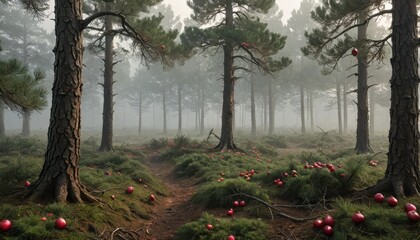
180	7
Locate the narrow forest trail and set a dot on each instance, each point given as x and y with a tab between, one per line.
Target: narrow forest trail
174	210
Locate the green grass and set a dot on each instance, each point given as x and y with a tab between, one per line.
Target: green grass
241	228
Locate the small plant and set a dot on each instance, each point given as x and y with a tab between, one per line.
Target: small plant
157	143
181	141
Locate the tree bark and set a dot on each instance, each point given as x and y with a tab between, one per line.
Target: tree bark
311	109
362	131
403	174
340	121
372	111
59	178
265	112
226	136
165	129
2	125
179	92
345	112
202	110
253	116
271	109
140	111
26	124
108	108
302	109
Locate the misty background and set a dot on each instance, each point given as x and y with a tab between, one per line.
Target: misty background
295	19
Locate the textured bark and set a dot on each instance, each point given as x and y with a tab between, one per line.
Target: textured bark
140	111
311	109
226	136
265	113
202	110
372	111
403	174
2	125
108	108
59	178
179	91
271	109
253	117
362	130
345	112
302	110
340	121
165	129
26	124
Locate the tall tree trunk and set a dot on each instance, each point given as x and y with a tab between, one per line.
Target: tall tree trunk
165	129
403	173
108	108
271	109
362	131
59	179
253	116
265	112
140	111
202	110
302	109
226	137
2	125
345	111
179	92
340	121
372	111
26	124
311	107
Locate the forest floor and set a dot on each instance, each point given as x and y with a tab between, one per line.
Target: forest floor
176	209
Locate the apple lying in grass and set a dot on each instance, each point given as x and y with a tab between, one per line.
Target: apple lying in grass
5	225
242	203
235	203
152	197
379	197
27	184
230	212
230	237
409	207
318	223
328	230
43	219
60	223
358	218
209	227
413	216
329	220
392	201
129	190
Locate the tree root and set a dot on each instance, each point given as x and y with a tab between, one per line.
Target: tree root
272	207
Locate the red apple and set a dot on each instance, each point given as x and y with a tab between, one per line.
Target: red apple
50	214
152	197
209	227
410	207
354	52
242	203
129	190
230	237
43	219
392	201
358	218
235	203
230	212
379	197
328	230
413	216
5	225
60	223
27	184
318	223
329	220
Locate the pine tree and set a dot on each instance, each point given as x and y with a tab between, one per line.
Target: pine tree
241	37
59	178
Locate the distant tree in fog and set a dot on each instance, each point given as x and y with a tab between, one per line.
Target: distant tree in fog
242	37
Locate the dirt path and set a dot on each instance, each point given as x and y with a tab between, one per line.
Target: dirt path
174	210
